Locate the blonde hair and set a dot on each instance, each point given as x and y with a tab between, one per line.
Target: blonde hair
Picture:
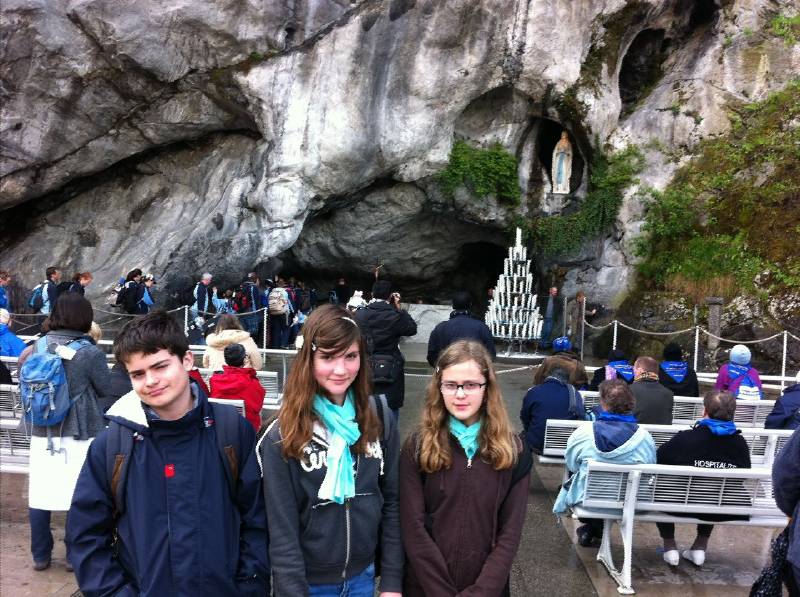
95	333
330	329
496	438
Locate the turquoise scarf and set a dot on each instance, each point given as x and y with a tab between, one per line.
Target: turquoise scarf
339	483
466	436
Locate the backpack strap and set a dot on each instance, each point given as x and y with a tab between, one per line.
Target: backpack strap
119	448
226	423
384	412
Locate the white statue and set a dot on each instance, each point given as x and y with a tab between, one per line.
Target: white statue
562	164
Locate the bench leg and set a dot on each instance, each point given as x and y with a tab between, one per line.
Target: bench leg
623	577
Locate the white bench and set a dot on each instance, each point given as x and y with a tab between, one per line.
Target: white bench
764	444
238	404
15	447
12	363
686	409
268	381
10	406
652	492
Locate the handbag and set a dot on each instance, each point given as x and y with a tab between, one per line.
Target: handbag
770	582
384	368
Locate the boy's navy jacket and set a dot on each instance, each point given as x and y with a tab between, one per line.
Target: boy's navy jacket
181	532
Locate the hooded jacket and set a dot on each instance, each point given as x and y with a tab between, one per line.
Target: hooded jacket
182	532
726	382
460	326
786	412
614	442
681	382
317	541
240	383
10	345
549	400
214	356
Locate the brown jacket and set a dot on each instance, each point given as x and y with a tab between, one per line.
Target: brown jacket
460	526
569	362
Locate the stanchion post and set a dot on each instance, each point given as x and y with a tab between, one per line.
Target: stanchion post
696	346
186	319
614	343
783	363
264	327
563	317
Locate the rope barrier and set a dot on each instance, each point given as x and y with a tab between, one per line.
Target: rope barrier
597	327
497	372
627	327
756	341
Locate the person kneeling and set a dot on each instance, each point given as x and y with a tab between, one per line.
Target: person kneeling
714	442
614	437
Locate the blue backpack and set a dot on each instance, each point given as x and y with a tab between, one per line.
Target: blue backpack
43	386
36	301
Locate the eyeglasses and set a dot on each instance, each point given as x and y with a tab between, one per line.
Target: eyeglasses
468	387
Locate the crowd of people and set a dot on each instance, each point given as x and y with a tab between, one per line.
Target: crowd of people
169	493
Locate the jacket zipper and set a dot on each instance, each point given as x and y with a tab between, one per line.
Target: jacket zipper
347	523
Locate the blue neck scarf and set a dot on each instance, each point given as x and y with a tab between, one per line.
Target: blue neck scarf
607	416
624	368
677	370
718	427
339	483
466	436
735	370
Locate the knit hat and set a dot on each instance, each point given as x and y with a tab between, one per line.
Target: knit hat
5	316
234	355
562	344
740	354
673	352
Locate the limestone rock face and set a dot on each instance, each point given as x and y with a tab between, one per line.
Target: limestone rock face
184	136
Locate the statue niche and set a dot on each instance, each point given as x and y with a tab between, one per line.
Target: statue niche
562	165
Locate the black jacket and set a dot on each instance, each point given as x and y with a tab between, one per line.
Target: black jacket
383	326
309	537
786	412
460	326
653	403
687	387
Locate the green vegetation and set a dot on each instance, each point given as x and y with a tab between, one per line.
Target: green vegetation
732	212
491	171
611	176
787	27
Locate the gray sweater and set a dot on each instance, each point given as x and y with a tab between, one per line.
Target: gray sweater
88	379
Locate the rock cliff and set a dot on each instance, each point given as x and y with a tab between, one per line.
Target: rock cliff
182	136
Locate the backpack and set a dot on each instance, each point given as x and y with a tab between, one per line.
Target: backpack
243	301
36	300
44	391
278	305
386	368
126	298
748	390
121	441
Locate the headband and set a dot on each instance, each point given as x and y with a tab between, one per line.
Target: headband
314	346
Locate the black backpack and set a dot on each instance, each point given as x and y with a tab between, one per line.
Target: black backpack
186	296
121	441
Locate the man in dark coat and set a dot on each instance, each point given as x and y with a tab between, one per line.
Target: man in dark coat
786	412
460	326
675	374
786	485
653	401
383	323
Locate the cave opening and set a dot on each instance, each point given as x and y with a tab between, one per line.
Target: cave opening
548	133
477	269
703	12
641	67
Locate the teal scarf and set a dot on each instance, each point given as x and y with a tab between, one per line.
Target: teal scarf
339	483
466	436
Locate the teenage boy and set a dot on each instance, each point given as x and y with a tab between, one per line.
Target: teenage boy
169	500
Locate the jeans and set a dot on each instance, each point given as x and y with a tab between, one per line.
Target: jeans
279	331
547	328
41	535
361	585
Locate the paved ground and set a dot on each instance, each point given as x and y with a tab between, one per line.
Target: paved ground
548	561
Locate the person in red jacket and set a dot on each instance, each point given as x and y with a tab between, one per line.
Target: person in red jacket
239	383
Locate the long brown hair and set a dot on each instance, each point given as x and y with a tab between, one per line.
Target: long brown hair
330	329
496	442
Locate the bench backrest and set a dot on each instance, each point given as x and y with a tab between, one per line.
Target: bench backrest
239	404
686	409
685	489
13	441
10	405
764	444
12	363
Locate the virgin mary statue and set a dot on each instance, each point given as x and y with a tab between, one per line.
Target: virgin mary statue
562	164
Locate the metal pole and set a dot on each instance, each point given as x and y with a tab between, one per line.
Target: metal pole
696	345
564	317
283	380
583	325
783	364
264	324
614	343
186	319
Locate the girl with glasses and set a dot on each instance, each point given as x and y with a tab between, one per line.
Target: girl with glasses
465	477
329	463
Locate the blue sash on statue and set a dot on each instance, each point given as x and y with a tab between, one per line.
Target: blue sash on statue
677	370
